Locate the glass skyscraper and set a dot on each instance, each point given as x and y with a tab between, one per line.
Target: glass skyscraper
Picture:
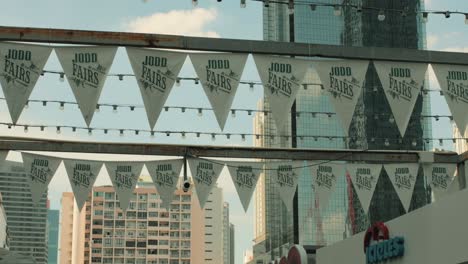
320	225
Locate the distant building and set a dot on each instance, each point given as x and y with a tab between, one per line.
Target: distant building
4	237
53	226
228	237
232	243
145	233
27	223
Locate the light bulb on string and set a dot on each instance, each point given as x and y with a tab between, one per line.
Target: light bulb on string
243	3
121	133
387	142
178	82
98	108
183	135
90	132
62	77
441	142
114	109
120	77
391	119
243	137
105	131
198	134
58	130
213	137
196	81
26	106
466	19
414	143
381	15
26	129
168	134
228	136
200	112
152	134
62	106
44	103
425	16
233	113
251	86
42	128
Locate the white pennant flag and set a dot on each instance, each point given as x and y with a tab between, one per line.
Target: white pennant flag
364	178
20	67
453	81
439	176
165	175
86	69
219	74
245	175
286	176
82	175
204	174
403	177
342	81
156	72
124	177
40	170
402	83
281	78
3	155
324	177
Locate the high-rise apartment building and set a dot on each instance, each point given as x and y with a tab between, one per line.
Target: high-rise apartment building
145	233
228	237
4	236
27	222
53	229
232	243
320	225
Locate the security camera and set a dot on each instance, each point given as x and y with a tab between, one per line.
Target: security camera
186	186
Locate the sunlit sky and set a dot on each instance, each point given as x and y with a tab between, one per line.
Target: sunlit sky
211	19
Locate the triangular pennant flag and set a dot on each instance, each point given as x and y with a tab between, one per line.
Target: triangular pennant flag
403	177
453	81
402	83
3	155
40	170
20	67
439	176
124	177
286	176
204	174
86	69
342	81
82	175
324	178
165	175
156	72
281	78
219	74
364	178
245	175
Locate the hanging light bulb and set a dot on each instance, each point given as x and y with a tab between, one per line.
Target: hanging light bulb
228	136
436	118
251	86
200	112
454	140
183	135
337	10
196	81
137	132
291	7
44	103
98	108
233	113
387	142
257	136
425	16
62	106
304	85
105	131
359	8
381	15
243	3
62	77
168	134
194	2
198	134
243	137
166	108
182	109
26	106
42	128
315	138
114	109
466	19
26	129
391	119
213	137
121	133
249	112
414	143
58	130
74	129
152	134
177	82
120	77
9	126
313	7
132	108
447	14
441	142
90	131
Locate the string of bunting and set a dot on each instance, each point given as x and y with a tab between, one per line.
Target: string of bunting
165	174
87	67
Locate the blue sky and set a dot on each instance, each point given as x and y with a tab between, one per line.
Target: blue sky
210	18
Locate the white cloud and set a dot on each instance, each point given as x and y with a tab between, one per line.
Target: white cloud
176	22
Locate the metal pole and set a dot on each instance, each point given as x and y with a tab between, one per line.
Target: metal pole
83	37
